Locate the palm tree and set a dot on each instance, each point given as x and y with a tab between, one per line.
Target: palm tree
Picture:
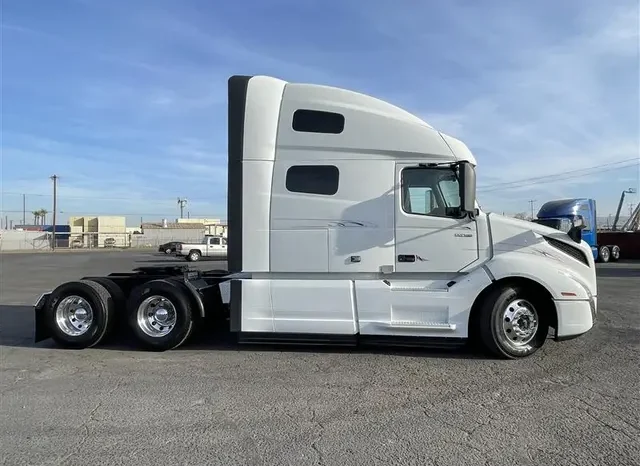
43	215
36	217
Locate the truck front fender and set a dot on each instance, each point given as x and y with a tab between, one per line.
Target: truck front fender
561	282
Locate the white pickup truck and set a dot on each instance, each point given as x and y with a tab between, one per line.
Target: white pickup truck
211	246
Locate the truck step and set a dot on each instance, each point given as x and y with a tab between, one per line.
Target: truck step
422	325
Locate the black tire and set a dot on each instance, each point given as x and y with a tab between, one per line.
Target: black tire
119	299
194	255
499	334
181	305
102	309
119	305
604	254
615	253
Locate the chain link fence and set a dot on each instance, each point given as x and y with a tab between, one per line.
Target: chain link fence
15	240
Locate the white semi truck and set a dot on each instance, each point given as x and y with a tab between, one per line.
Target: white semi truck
350	221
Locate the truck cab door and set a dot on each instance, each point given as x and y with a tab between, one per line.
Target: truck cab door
431	233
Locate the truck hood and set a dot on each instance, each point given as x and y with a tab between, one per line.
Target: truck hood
509	233
515	224
513	236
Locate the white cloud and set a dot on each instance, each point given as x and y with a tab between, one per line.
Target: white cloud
547	108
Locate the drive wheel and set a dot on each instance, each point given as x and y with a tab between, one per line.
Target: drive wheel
118	321
194	256
604	254
80	313
161	314
512	324
615	253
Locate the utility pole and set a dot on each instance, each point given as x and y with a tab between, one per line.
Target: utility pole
24	209
531	201
55	207
182	202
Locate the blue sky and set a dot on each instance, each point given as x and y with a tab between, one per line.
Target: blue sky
126	101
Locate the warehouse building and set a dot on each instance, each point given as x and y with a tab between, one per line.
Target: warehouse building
155	234
213	226
98	232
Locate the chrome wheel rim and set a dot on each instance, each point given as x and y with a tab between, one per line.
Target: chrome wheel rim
518	325
156	316
74	315
605	253
194	256
615	252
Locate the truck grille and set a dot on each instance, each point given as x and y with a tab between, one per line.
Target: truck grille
569	250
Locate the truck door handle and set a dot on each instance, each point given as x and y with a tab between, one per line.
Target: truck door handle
406	258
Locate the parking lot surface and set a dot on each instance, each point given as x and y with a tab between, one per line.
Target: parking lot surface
213	403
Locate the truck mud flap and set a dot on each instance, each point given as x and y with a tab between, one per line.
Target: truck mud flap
41	326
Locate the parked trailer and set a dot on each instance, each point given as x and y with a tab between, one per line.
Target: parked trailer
350	221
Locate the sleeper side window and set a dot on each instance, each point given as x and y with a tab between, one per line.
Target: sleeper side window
317	121
313	179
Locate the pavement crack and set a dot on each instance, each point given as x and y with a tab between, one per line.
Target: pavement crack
603	422
85	425
314	444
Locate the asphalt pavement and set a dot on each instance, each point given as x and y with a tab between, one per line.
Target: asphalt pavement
213	403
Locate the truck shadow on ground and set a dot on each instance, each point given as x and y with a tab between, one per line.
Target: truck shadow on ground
17	330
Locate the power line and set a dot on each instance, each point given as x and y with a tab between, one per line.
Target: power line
634	161
550	179
116	213
98	198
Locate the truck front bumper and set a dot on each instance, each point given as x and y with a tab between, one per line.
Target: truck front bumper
575	317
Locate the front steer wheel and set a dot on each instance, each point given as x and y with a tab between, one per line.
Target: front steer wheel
512	323
79	314
161	314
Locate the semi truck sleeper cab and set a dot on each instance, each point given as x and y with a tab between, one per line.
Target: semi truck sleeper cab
350	221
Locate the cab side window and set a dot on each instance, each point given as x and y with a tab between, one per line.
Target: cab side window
431	191
214	241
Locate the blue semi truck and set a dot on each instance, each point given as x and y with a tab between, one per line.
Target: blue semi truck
559	215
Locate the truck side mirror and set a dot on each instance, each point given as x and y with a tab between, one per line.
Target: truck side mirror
467	176
578	222
577	225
